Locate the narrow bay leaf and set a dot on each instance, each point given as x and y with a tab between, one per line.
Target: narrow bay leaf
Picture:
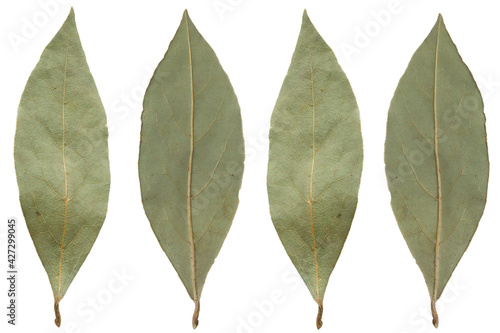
436	158
191	156
61	158
315	161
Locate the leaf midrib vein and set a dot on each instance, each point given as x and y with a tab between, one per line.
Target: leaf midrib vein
438	174
310	201
66	197
190	172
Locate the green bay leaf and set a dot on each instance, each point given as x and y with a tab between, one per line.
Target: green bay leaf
191	156
61	158
315	161
437	159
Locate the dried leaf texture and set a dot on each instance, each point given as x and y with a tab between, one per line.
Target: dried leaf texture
436	158
315	161
61	157
191	156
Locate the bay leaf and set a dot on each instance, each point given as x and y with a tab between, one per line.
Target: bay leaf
191	156
436	158
315	161
61	158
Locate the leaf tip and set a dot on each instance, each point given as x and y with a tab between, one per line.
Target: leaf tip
58	314
186	19
305	16
319	321
306	20
440	18
71	15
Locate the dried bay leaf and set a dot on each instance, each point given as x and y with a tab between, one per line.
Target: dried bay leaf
437	159
315	161
191	156
61	158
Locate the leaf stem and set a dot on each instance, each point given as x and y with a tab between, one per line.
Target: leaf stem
435	317
58	314
319	322
196	313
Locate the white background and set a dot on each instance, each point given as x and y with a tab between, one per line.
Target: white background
376	285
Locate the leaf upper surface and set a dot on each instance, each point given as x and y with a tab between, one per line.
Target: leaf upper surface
191	156
315	160
61	157
436	158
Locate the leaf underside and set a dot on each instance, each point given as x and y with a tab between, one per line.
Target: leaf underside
315	161
436	158
191	156
61	158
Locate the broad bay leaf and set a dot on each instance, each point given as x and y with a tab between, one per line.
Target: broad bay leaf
61	158
315	161
436	158
191	156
